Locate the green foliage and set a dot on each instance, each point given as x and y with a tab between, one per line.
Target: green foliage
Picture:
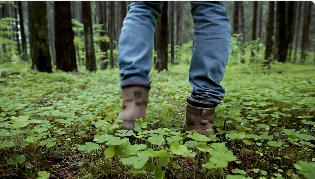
265	126
78	28
6	31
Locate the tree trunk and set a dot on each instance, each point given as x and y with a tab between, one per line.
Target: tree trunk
90	62
235	17
111	25
17	39
241	6
178	21
105	25
306	28
77	12
178	24
22	30
281	32
260	22
65	53
123	11
41	57
297	29
163	45
51	26
270	27
4	15
254	29
102	44
31	29
157	42
172	31
290	26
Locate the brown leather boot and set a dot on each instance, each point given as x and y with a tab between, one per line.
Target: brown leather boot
134	105
199	119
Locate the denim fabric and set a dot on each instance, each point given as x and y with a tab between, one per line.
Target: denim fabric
212	34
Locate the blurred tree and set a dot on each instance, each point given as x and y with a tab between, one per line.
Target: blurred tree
88	36
163	42
270	27
299	9
65	53
235	17
172	26
41	57
306	28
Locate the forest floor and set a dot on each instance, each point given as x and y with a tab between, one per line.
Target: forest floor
60	125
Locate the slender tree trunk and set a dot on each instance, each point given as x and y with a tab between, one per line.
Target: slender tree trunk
30	30
306	28
270	27
22	29
41	57
291	26
172	31
111	25
163	45
281	32
51	26
4	15
254	30
157	42
241	6
17	39
178	25
297	29
123	11
77	13
90	63
236	17
260	22
105	25
65	53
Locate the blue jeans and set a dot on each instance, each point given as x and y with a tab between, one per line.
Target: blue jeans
212	34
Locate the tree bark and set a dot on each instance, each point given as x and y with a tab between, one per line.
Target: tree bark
65	52
41	58
163	42
22	30
306	28
236	17
281	32
254	29
241	6
260	22
111	25
178	21
17	39
51	27
4	15
297	29
290	26
270	27
123	11
30	29
172	9
77	13
90	63
157	42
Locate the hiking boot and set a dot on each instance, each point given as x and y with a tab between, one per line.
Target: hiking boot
134	105
199	117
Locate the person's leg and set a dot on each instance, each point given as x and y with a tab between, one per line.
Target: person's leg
135	59
135	48
212	34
